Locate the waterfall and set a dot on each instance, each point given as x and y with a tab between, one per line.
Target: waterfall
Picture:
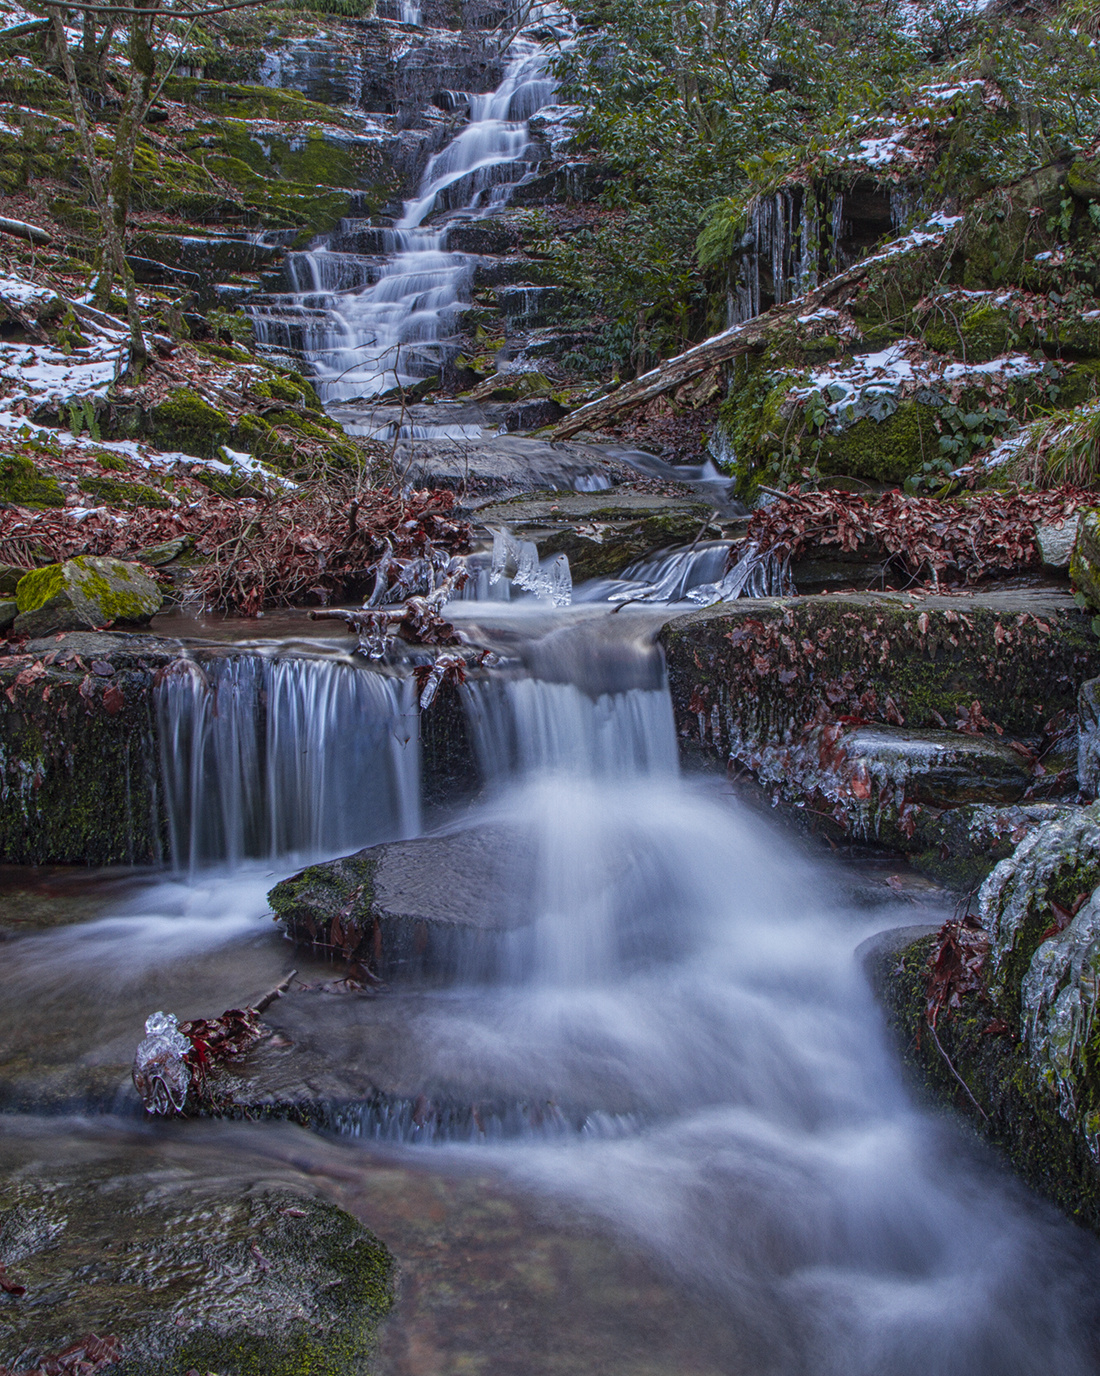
365	323
265	757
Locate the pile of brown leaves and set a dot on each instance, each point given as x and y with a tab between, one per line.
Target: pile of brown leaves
320	545
966	538
89	1355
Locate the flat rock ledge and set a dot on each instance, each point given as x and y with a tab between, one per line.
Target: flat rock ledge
429	908
182	1260
942	726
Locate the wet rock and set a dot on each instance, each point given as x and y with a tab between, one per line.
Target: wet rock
1025	1042
962	844
9	610
85	593
601	533
79	762
185	1261
749	674
500	466
1088	738
838	705
1084	567
431	907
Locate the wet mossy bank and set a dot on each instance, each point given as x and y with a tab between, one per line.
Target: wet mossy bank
1002	1098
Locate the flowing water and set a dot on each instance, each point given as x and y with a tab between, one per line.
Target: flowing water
750	1187
371	309
727	1174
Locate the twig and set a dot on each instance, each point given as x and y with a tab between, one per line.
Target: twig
261	1005
947	1062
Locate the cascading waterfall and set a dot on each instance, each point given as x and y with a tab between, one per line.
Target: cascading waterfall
365	324
268	758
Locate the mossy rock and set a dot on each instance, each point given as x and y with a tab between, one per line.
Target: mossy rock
1084	564
22	483
84	593
185	421
1002	1098
984	332
115	492
196	1261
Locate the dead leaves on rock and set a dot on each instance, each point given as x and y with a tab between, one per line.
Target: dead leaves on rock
965	539
955	966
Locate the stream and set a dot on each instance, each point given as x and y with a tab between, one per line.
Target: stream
747	1185
731	1176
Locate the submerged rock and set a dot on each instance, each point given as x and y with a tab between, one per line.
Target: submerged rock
85	593
184	1261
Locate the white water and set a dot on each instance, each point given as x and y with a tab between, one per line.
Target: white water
364	325
286	758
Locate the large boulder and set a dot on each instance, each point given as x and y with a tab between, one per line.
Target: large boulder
85	593
437	906
1084	564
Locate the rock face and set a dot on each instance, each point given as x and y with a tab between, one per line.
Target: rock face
181	1262
1084	566
429	907
79	761
86	593
1025	1040
842	707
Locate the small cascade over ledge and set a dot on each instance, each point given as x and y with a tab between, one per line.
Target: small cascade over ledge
271	758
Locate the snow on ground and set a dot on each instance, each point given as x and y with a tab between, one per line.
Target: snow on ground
905	367
33	373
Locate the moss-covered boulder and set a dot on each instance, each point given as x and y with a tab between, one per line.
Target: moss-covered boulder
181	1260
85	593
183	420
438	906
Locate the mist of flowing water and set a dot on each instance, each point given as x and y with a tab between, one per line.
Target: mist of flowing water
729	1104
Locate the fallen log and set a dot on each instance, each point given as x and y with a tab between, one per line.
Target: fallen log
21	230
719	348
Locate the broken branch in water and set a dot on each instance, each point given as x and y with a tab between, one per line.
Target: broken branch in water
419	620
173	1061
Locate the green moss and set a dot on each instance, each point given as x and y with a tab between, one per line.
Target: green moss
312	904
291	388
883	450
79	784
36	588
23	484
984	332
117	493
115	462
185	421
